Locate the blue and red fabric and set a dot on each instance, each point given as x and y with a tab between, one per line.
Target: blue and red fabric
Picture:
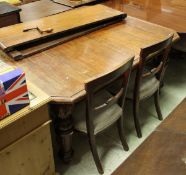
13	92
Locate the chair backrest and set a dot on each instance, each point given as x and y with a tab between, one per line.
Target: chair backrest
158	52
182	35
94	86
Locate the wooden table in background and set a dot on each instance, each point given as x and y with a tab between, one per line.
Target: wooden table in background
40	9
164	151
9	14
168	13
62	71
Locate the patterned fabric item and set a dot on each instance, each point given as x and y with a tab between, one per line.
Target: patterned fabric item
13	92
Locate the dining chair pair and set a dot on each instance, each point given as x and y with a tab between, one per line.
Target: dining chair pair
104	102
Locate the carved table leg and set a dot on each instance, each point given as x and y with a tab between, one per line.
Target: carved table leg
64	130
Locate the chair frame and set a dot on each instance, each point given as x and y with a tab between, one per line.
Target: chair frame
147	54
93	86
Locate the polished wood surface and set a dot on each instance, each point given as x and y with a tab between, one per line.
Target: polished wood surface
164	150
71	64
60	22
99	52
103	18
40	9
168	13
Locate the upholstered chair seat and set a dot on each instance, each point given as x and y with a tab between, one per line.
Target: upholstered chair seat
102	119
148	86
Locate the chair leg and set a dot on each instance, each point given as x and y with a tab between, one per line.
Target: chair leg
121	133
136	116
157	105
93	148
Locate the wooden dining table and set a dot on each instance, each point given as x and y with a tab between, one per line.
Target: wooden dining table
168	13
62	71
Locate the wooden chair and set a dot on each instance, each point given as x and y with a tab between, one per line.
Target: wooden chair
180	46
100	109
145	82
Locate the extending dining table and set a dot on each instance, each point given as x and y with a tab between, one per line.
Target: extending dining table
62	71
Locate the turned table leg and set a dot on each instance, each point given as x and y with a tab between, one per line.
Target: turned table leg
64	130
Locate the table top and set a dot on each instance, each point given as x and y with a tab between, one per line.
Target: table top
89	56
40	9
86	57
163	152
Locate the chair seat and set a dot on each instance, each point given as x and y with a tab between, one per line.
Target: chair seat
149	85
102	119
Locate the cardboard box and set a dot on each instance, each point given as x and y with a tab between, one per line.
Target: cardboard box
13	92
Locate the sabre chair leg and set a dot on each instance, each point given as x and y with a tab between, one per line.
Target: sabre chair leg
136	117
157	105
121	133
93	148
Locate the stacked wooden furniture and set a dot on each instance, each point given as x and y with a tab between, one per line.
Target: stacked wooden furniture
9	14
25	146
40	9
61	70
164	150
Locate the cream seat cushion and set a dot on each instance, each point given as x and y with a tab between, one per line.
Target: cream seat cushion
102	119
149	85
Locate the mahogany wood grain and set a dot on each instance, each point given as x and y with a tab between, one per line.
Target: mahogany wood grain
72	63
132	34
40	9
168	13
59	22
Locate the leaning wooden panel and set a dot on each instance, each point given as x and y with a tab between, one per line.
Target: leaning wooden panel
57	23
31	155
